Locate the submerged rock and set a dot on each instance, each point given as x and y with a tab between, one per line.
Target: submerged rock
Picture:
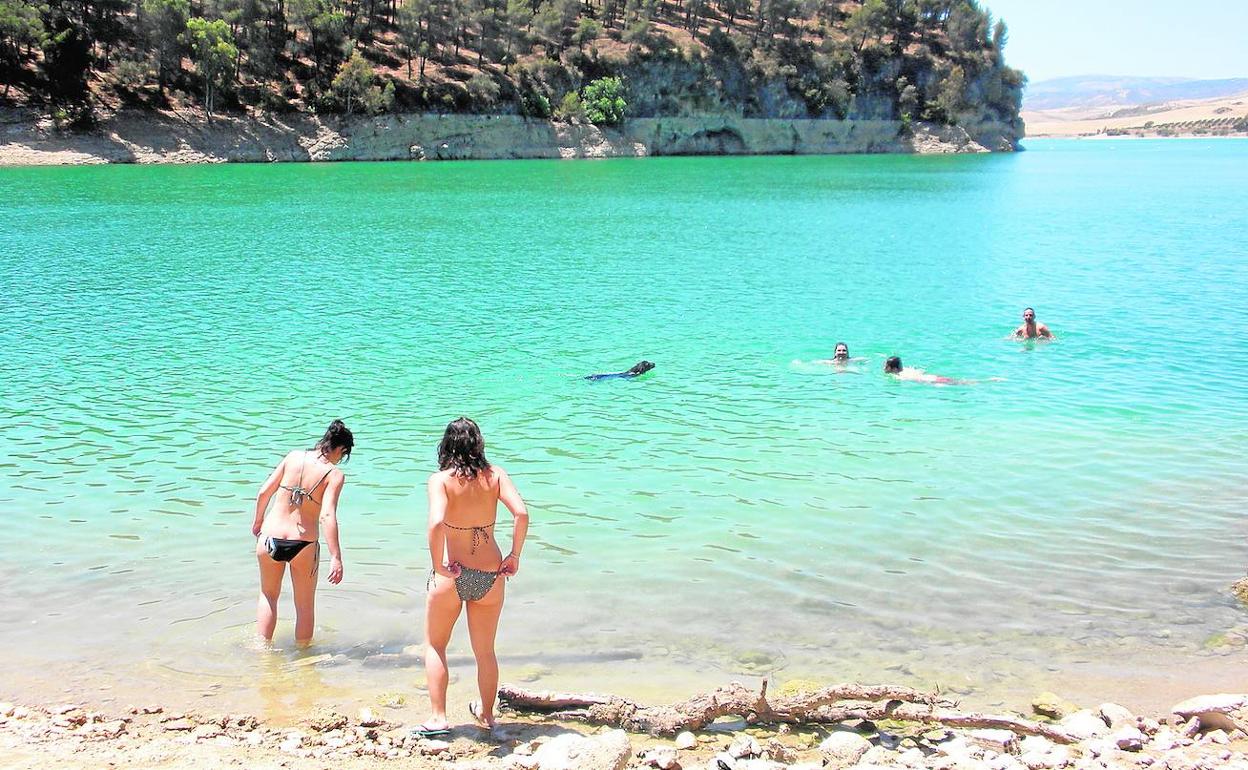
1240	589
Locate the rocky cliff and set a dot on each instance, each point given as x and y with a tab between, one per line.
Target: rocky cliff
142	137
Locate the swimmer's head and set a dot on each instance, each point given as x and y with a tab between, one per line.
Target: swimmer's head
842	352
337	442
462	449
1029	315
641	367
892	365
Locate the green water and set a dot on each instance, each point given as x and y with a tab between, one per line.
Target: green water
166	333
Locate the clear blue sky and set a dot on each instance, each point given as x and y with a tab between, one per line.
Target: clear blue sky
1190	38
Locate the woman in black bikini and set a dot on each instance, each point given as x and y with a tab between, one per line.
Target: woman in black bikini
309	483
463	502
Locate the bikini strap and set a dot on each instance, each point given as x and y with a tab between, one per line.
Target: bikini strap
312	488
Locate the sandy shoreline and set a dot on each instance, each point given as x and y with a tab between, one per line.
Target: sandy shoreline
1199	734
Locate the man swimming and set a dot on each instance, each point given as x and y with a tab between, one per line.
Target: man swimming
893	366
640	368
1031	329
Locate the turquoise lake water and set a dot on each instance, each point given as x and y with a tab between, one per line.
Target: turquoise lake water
1070	522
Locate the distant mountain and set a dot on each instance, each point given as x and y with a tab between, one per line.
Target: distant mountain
1091	91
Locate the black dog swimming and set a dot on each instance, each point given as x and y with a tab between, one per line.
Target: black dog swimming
640	368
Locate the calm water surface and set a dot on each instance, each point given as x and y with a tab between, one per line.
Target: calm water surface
166	333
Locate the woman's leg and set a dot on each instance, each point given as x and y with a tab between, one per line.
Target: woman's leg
303	573
482	628
441	612
270	588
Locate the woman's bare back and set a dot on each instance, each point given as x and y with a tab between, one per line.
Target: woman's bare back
296	510
471	511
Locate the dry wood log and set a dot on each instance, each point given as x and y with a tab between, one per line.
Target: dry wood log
824	706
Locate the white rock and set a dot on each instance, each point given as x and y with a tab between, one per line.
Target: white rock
1084	724
20	712
429	746
1217	736
760	764
686	740
663	757
1117	716
1191	727
368	718
6	709
206	731
744	746
1216	712
876	755
607	751
843	749
1128	738
722	761
957	747
1002	741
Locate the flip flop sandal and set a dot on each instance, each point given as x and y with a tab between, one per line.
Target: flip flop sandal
430	732
474	708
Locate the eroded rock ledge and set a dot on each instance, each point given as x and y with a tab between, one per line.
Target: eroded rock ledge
132	137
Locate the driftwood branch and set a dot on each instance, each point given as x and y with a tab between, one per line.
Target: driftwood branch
838	703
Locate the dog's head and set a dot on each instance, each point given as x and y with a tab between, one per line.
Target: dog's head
641	367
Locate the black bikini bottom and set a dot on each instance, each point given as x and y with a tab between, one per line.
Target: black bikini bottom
281	549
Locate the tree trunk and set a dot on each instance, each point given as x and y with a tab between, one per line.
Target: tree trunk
838	703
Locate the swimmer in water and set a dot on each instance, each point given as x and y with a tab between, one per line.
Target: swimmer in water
893	366
840	356
1031	329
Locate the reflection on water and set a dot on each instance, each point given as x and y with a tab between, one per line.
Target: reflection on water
740	512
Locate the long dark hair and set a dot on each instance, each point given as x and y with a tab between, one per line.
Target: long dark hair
462	449
336	435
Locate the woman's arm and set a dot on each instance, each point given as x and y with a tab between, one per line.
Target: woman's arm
329	523
265	495
510	497
437	535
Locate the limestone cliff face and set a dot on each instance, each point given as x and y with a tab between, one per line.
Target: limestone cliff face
144	138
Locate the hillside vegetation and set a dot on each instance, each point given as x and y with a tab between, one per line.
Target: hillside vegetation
577	60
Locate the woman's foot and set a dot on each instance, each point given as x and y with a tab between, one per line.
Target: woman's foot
432	728
483	720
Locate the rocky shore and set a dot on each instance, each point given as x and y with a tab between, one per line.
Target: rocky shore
177	137
1204	733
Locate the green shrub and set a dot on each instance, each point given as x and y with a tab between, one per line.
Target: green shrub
604	101
482	90
570	108
534	104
